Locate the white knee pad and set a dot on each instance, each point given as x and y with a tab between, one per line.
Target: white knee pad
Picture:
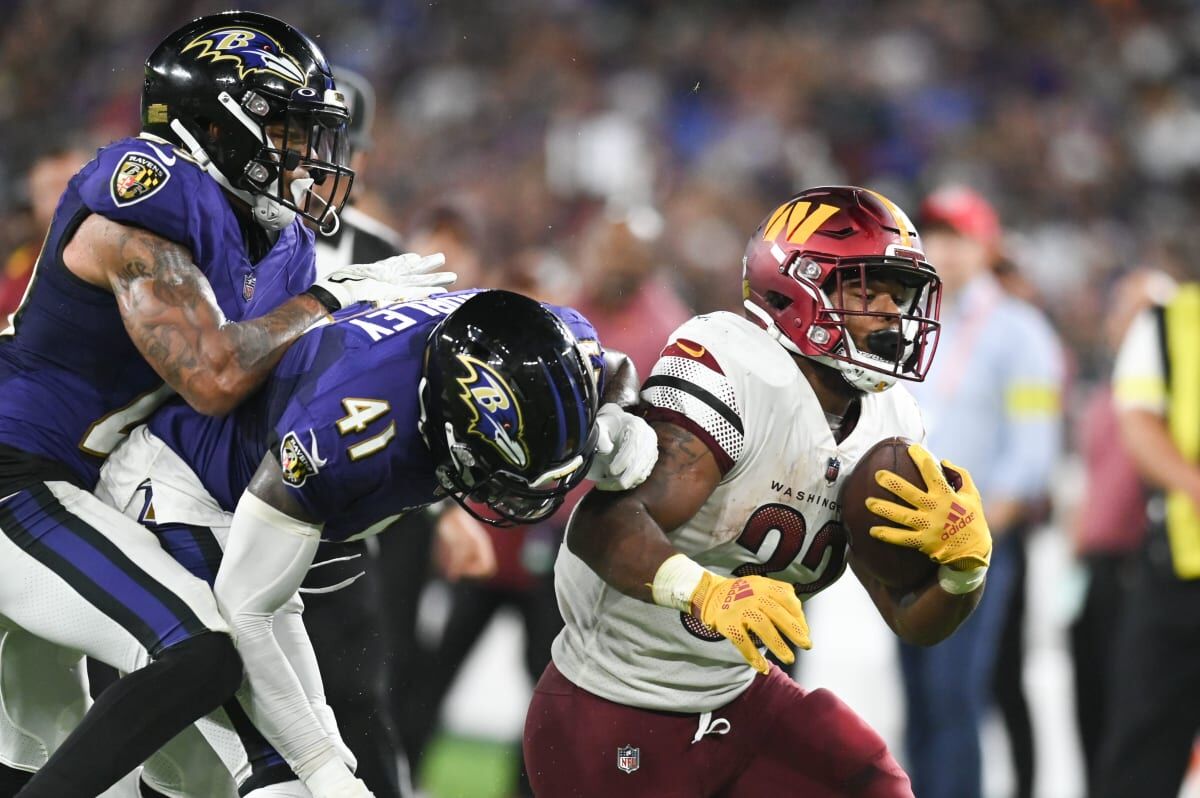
188	767
43	696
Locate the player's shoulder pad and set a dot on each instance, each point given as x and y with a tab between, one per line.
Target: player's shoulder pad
742	349
148	182
698	383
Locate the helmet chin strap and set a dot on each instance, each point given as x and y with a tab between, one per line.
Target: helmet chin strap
267	212
303	186
859	378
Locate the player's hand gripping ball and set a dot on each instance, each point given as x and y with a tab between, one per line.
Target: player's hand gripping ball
939	520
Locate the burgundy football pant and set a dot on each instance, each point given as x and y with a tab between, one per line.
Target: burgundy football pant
773	740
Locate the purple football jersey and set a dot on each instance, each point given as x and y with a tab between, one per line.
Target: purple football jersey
341	411
71	381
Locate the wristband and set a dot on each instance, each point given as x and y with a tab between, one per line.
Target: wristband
675	582
327	300
960	582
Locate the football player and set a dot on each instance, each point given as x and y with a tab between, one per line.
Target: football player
175	262
759	419
486	397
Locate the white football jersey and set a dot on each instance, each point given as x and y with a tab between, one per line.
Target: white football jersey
775	513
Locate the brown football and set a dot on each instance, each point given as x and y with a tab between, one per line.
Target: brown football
896	566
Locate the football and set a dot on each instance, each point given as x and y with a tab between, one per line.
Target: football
896	566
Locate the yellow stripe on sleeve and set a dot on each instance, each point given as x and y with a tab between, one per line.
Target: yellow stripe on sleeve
1141	391
1030	400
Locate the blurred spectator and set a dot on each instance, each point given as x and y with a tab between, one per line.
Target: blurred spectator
45	183
991	404
1153	716
622	287
1109	524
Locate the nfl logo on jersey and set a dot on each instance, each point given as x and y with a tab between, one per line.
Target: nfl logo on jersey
629	758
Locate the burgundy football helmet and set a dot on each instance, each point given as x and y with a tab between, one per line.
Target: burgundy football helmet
825	238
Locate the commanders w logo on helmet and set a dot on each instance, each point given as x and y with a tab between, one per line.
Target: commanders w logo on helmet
250	49
496	414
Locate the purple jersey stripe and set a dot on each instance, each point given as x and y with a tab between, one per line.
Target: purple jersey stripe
79	553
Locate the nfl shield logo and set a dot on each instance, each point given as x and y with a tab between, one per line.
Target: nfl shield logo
629	758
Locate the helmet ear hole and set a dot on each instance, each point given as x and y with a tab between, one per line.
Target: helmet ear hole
777	300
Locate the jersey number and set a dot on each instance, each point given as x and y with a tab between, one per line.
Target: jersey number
360	413
104	435
792	530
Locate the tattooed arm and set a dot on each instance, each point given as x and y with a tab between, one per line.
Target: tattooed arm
623	536
173	318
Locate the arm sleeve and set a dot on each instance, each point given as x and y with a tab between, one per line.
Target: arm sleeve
296	645
1033	412
266	558
689	387
1138	379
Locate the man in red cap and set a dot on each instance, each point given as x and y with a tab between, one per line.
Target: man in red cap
991	403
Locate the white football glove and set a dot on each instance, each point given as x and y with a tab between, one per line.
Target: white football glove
626	449
333	780
395	279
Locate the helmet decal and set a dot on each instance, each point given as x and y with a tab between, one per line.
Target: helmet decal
252	51
903	223
495	413
806	222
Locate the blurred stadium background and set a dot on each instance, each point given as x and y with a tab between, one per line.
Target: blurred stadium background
1079	120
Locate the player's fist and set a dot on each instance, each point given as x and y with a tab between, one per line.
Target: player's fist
395	279
626	449
946	524
740	607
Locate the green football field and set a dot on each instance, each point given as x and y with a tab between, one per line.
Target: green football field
459	767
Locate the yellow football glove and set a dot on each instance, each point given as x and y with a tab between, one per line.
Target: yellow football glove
736	607
947	525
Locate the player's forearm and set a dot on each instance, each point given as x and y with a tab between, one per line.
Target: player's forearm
614	534
922	617
250	349
275	700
